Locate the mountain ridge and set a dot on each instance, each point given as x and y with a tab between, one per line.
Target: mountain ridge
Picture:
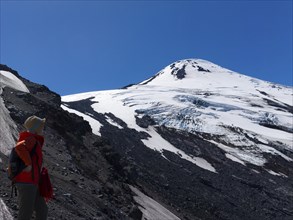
190	68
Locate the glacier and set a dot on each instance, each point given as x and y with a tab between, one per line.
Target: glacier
197	96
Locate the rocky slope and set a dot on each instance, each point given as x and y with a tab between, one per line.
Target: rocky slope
87	184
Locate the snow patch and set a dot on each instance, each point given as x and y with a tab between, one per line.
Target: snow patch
156	142
4	212
110	121
151	209
273	151
10	80
8	130
255	171
252	154
276	174
95	125
235	159
242	155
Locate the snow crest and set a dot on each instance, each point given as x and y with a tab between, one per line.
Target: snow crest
10	80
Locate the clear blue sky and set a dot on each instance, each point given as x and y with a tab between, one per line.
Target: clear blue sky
80	46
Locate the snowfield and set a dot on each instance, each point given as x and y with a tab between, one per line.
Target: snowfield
201	97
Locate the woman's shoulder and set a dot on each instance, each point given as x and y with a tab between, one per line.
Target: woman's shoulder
31	139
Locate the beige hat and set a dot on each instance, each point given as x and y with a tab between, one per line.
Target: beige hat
35	124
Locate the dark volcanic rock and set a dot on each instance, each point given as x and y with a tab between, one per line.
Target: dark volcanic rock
201	69
80	171
40	91
144	121
179	72
135	213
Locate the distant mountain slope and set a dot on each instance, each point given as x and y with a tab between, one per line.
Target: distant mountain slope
200	97
199	137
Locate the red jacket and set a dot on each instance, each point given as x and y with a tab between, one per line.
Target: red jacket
25	144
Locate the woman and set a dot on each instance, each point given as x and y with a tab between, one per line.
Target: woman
29	149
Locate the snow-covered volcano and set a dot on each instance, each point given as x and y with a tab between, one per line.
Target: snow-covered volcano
246	117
